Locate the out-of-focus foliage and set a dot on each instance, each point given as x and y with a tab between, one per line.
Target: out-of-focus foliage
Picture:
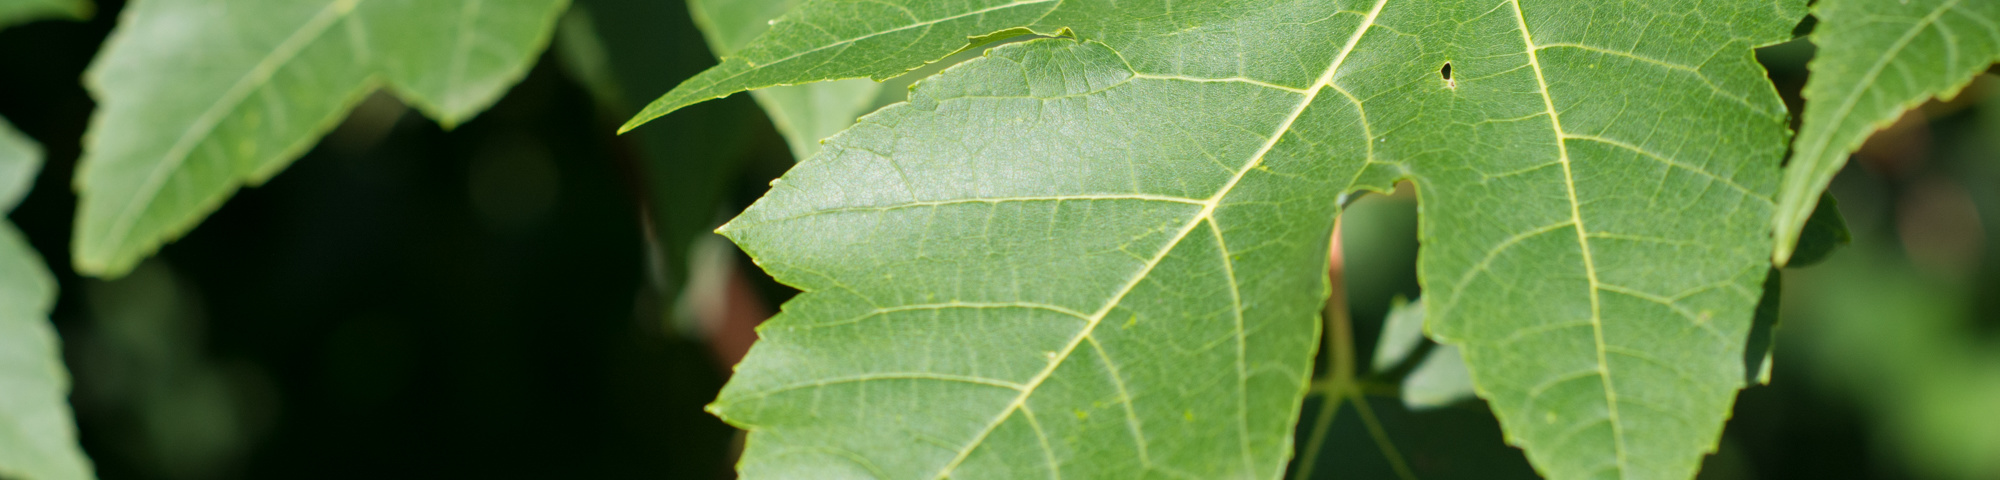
1436	378
21	11
37	429
620	54
1904	323
1439	380
407	302
1900	339
1402	334
144	358
198	97
37	432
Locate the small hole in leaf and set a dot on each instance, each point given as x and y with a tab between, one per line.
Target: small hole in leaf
1446	73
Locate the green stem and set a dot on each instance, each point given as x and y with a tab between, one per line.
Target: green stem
1381	437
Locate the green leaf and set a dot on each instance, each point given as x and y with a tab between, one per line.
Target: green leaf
20	160
198	97
1402	333
1439	378
37	432
804	114
1105	256
1054	298
587	59
1440	381
1876	59
14	12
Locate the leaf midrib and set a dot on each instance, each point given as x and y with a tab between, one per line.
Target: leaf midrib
1582	240
205	124
1206	214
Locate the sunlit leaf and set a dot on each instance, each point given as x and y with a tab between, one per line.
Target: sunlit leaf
1102	256
1876	59
198	97
805	114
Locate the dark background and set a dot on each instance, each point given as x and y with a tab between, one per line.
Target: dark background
409	302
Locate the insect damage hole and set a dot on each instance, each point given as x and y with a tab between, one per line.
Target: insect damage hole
1446	73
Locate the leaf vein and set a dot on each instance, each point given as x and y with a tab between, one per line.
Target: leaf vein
184	146
1746	191
1124	399
870	377
1582	238
1207	211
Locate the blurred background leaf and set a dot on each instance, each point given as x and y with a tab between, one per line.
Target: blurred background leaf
200	97
37	430
37	426
14	12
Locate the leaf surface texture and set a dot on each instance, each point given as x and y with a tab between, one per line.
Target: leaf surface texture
1103	257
